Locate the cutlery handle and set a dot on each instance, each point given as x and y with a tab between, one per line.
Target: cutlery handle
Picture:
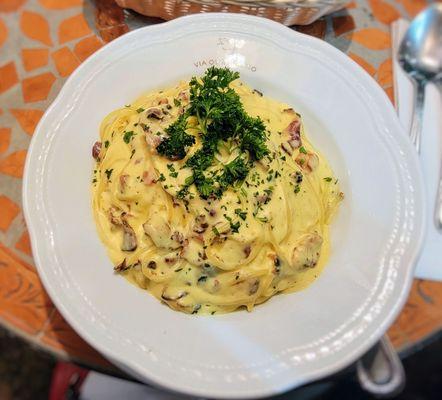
438	204
380	371
416	126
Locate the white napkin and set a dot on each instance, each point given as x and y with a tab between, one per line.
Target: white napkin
430	263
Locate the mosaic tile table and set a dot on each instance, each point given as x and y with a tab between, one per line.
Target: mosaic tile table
41	43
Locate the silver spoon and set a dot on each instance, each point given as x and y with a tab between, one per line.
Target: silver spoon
420	55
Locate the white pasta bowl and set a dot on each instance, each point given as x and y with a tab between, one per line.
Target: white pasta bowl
291	339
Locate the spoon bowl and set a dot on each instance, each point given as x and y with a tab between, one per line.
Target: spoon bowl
420	52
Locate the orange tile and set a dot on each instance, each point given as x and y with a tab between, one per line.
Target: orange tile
13	164
371	38
10	5
351	5
34	58
8	76
24	244
383	11
385	73
60	4
10	210
343	24
364	64
5	139
37	87
73	28
3	32
61	336
65	61
23	302
87	46
35	26
28	119
390	93
413	7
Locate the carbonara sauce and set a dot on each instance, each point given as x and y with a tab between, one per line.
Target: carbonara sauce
268	233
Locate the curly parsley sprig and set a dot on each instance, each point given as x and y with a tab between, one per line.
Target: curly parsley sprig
221	116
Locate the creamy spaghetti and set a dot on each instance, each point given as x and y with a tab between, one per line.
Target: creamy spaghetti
209	195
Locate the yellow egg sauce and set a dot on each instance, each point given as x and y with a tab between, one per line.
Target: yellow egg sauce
266	234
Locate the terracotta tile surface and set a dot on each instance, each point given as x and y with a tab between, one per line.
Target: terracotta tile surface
60	29
9	210
34	58
372	38
24	244
385	73
5	138
8	76
13	164
37	87
413	7
27	118
383	11
73	28
87	46
35	26
3	32
60	4
65	61
8	6
23	302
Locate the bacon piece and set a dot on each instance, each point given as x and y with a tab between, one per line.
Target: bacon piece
148	178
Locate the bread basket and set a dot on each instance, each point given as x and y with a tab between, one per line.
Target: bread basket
287	12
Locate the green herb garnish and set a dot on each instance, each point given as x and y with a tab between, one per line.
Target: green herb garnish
221	117
128	136
108	173
241	214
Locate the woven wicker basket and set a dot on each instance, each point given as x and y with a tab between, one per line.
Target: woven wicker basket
294	12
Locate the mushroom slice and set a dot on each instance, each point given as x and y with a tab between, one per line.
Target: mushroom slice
129	237
306	253
154	112
96	150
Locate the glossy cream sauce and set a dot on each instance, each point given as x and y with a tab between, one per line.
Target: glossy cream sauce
186	253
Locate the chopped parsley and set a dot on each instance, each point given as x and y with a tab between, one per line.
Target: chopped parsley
106	144
108	173
302	150
128	136
221	117
161	178
241	214
328	179
297	188
215	231
140	110
176	102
